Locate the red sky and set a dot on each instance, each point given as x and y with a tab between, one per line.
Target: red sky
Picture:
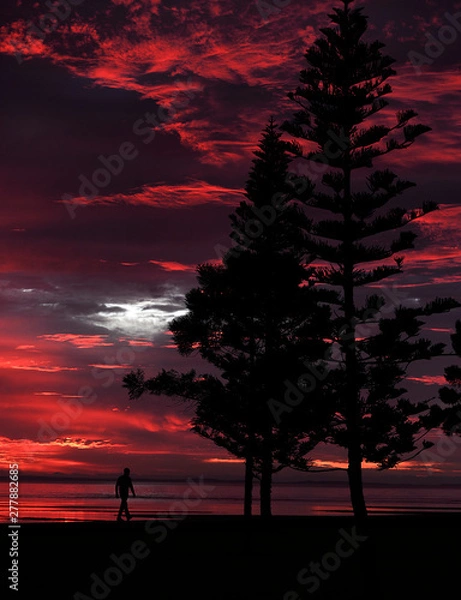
90	278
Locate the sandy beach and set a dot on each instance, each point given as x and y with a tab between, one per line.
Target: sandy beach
226	558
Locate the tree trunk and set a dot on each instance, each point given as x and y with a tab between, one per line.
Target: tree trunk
354	472
266	485
250	448
248	500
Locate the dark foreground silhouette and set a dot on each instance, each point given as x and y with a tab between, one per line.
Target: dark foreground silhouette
226	558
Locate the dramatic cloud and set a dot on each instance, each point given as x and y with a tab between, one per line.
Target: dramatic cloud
166	196
80	341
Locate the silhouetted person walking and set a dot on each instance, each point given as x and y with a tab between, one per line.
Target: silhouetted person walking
122	488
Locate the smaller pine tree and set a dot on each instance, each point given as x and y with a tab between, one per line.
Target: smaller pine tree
255	319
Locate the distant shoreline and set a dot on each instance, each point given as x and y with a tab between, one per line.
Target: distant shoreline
435	483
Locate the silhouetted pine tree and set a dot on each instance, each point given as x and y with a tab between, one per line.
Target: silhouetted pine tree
342	90
248	318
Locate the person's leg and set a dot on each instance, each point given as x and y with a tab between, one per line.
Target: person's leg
122	508
127	512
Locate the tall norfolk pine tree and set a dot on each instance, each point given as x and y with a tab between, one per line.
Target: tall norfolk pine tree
254	318
342	90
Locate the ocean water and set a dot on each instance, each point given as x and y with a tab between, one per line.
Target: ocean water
89	501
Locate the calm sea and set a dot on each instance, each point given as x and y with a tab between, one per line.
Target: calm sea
95	500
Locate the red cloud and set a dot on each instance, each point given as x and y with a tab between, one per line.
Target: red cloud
223	460
137	342
189	55
33	365
80	341
440	261
173	266
433	88
162	195
194	51
429	379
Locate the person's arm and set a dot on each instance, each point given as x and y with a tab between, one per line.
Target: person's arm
132	488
